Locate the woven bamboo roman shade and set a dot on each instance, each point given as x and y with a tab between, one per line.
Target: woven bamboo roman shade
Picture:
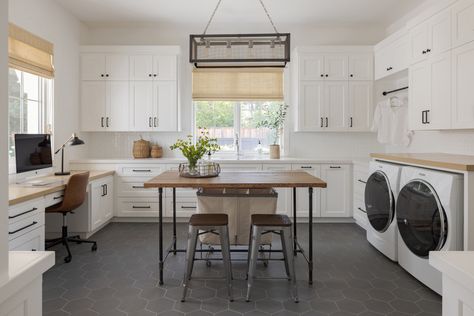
243	84
30	53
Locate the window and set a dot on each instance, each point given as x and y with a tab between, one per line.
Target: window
229	120
29	108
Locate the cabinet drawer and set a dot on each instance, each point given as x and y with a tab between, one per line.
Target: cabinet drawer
133	187
25	225
140	171
53	198
229	167
184	208
31	241
24	210
138	208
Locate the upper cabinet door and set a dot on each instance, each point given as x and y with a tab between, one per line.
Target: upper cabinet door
360	105
419	42
336	67
419	95
117	67
165	67
93	66
463	100
141	106
118	99
440	34
463	22
383	58
93	106
439	115
311	116
311	67
165	118
336	105
141	67
361	67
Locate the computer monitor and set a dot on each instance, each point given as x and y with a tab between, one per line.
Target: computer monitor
33	152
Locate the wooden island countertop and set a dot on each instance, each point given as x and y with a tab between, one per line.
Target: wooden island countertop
436	160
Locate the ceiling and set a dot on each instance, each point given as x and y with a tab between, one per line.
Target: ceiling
284	12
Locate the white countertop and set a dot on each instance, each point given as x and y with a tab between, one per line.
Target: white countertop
24	268
458	265
244	160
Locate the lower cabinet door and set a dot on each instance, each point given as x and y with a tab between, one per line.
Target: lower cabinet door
336	198
102	202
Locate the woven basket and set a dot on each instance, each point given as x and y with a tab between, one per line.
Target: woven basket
141	149
156	151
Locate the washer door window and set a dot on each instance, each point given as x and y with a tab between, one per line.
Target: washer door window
421	218
379	201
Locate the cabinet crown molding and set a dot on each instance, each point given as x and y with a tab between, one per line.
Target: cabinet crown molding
135	49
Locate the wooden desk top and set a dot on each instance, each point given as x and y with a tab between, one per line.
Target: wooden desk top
437	160
21	193
236	180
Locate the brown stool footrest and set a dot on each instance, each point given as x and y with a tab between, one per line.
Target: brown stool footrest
270	220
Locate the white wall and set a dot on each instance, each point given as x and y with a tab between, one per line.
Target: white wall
50	21
104	145
3	140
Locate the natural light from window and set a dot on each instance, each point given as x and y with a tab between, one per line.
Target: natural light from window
228	120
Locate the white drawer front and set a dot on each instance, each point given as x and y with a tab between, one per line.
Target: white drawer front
31	241
21	211
53	198
133	187
140	170
229	167
184	208
138	208
25	225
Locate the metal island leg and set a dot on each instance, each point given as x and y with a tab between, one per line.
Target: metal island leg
160	236
310	236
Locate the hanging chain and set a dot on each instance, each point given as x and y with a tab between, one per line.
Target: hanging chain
269	17
217	7
212	17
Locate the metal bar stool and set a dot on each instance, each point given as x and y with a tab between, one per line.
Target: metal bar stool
277	224
208	223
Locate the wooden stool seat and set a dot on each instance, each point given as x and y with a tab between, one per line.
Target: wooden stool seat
270	220
209	220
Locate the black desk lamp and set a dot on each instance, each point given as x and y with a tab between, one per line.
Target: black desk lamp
72	141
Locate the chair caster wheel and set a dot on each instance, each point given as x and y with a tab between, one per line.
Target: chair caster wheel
68	259
94	247
208	264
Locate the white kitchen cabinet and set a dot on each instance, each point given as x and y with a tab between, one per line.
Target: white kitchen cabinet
336	105
463	102
323	66
392	56
431	38
360	105
99	66
104	106
101	202
361	174
153	67
284	194
430	93
361	67
336	198
336	67
463	22
302	198
311	106
153	106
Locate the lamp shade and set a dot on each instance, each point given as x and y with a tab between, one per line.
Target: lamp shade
76	141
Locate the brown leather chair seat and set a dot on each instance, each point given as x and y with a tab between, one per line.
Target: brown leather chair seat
270	220
209	220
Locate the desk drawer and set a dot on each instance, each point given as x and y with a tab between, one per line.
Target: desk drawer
133	187
137	208
21	211
140	171
31	241
53	198
25	225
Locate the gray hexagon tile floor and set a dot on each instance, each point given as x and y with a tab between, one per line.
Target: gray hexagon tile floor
351	278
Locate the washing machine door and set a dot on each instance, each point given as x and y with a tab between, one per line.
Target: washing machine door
421	218
379	201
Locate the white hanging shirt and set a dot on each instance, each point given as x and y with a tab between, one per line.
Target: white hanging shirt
391	122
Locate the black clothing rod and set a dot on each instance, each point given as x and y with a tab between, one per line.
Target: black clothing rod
396	90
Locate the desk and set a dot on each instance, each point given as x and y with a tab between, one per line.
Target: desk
238	180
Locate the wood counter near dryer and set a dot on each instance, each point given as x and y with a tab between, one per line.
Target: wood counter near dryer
430	160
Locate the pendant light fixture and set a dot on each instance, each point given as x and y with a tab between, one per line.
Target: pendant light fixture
239	50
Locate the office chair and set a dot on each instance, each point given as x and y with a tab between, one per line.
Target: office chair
74	197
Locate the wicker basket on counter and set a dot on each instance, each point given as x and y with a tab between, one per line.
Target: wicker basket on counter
202	170
141	149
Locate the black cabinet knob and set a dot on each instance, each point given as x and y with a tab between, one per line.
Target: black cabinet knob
149	75
352	76
428	50
102	75
107	75
327	75
322	76
155	75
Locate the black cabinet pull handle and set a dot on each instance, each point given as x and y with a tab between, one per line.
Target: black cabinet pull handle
141	170
58	197
426	117
351	122
327	122
20	229
141	207
26	212
155	121
189	207
322	122
428	50
103	190
306	167
423	52
149	122
364	182
107	119
335	167
102	122
106	189
361	210
138	187
423	117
